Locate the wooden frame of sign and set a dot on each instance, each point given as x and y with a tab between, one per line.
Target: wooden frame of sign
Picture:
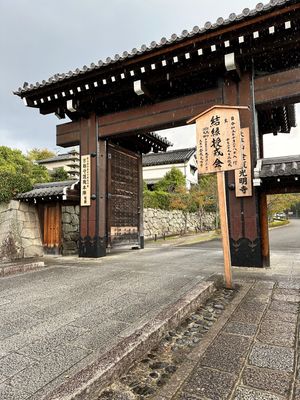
218	150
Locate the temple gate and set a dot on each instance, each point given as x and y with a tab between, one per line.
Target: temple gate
251	59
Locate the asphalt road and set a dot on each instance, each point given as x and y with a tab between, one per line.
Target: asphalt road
284	238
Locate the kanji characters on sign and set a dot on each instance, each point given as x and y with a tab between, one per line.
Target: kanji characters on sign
243	176
218	140
85	189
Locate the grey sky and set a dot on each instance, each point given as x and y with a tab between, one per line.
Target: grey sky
40	37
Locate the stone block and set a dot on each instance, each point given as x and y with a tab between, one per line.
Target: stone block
75	220
209	383
8	392
28	233
33	251
239	328
270	380
226	353
69	209
13	363
66	218
277	333
249	394
70	228
266	356
14	205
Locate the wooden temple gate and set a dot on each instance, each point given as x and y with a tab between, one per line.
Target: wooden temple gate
247	60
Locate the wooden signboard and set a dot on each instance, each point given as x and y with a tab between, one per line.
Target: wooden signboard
85	177
219	150
218	140
243	176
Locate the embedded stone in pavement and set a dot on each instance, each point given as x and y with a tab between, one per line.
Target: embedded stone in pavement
277	333
249	394
13	363
209	384
9	393
240	328
289	295
226	353
279	358
50	367
247	316
270	380
284	306
280	316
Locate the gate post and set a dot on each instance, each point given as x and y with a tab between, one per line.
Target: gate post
244	212
92	241
141	203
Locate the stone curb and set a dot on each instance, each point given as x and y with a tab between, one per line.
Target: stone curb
86	384
19	268
178	379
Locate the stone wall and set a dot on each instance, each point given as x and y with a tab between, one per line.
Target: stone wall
70	230
20	235
161	222
156	222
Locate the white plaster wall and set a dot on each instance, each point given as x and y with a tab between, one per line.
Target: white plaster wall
153	174
57	164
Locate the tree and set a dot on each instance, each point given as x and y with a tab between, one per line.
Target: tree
40	154
171	181
12	183
203	197
14	161
281	202
18	173
59	174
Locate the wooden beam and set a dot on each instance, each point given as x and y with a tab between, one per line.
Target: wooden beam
68	134
158	116
277	89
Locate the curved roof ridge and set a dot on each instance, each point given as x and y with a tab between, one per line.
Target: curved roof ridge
164	42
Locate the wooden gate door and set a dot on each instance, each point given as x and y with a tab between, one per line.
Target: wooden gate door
52	228
123	197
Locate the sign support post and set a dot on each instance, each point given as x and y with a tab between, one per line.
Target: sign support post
224	228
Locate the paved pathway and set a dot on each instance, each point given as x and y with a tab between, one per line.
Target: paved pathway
255	354
55	321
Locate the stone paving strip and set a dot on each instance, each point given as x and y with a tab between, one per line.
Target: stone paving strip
237	347
19	267
147	376
254	355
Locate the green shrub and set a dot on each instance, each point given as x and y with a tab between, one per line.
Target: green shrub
157	199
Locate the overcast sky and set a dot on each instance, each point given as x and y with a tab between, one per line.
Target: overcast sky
39	38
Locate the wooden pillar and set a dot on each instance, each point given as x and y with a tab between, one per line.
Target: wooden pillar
264	226
243	213
141	203
92	242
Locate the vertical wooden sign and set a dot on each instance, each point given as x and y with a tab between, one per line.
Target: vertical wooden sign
243	176
85	180
219	150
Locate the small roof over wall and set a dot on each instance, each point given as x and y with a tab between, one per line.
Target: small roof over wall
170	157
52	191
277	167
